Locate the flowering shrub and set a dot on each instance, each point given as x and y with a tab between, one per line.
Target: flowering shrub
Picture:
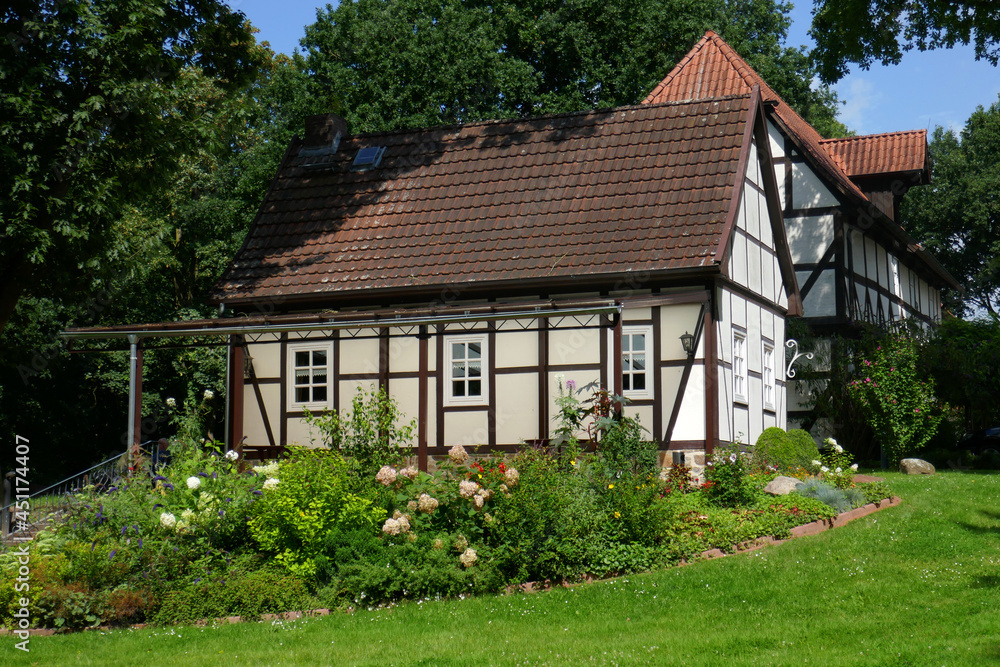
899	406
836	465
371	433
728	479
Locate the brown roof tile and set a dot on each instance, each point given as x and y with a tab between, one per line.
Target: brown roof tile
873	154
712	69
643	188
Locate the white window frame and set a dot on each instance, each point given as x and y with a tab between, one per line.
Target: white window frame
484	384
646	331
768	375
307	346
741	376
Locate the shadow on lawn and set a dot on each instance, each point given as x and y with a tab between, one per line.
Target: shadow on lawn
992	521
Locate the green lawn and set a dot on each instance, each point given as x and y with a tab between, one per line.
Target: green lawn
917	584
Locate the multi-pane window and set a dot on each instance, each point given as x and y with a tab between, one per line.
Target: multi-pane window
636	355
466	357
740	365
768	376
310	373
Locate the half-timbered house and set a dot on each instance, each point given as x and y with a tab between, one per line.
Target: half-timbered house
470	270
840	202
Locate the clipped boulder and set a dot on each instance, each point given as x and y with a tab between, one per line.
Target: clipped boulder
915	467
781	485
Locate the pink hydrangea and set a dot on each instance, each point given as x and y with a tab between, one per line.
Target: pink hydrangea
409	473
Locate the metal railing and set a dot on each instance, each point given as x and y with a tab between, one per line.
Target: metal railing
55	497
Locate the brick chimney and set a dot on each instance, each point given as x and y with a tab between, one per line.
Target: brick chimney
324	131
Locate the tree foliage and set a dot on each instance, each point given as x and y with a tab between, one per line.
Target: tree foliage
98	100
964	359
865	31
957	216
414	63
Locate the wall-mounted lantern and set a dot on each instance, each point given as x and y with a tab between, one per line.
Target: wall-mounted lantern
687	342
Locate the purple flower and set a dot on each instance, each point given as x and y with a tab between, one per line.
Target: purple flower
140	542
124	528
222	513
571	385
203	474
257	492
215	475
196	580
112	554
157	505
159	478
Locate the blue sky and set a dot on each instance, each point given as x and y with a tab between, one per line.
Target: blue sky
927	89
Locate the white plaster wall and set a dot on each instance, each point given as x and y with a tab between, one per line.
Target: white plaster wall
756	256
466	428
348	389
404	352
741	423
822	298
645	415
406	392
691	421
808	191
266	359
675	321
358	356
516	348
582	378
517	408
633	314
299	433
253	422
777	141
577	346
738	260
809	237
779	175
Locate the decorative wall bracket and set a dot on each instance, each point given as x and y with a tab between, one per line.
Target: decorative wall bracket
793	344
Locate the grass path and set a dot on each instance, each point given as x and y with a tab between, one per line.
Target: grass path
917	584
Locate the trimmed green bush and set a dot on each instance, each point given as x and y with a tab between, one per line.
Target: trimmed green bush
788	452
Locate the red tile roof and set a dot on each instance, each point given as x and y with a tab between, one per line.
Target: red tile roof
643	188
872	154
713	68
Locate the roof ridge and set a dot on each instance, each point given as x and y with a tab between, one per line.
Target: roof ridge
872	136
545	117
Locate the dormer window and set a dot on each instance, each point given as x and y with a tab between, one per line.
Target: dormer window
367	158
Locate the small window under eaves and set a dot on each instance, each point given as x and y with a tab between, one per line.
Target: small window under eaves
367	158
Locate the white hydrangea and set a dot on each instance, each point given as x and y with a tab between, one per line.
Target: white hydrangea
478	501
824	469
458	455
512	476
854	467
167	520
816	463
391	527
409	473
232	455
193	483
427	503
267	470
172	402
209	394
386	476
187	515
468	557
467	488
271	483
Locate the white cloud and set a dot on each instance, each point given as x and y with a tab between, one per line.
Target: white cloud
860	98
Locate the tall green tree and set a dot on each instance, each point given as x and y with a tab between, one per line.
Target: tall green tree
415	63
864	31
957	216
95	108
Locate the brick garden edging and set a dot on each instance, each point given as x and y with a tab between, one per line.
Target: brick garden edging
813	528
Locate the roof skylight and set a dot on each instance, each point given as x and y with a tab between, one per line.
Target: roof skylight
368	158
